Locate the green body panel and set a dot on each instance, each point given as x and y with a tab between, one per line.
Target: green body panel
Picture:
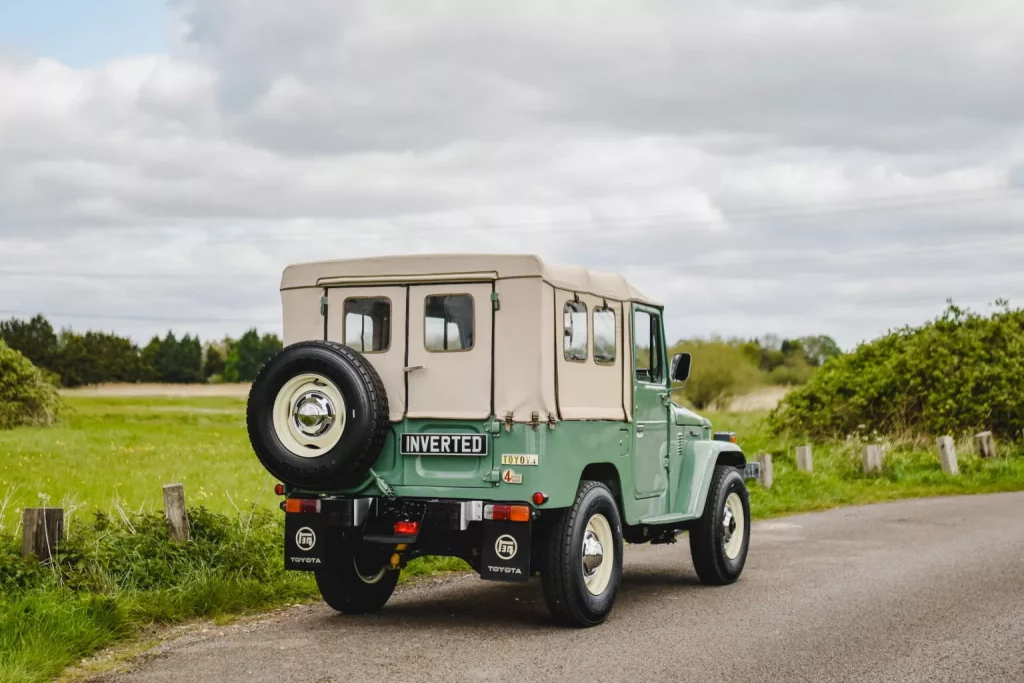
563	453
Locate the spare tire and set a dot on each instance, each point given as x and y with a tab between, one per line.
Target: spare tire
318	415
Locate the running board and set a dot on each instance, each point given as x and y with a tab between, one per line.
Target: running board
670	518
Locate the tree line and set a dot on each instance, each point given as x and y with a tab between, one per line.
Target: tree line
724	368
79	359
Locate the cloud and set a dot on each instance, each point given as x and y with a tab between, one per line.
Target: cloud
797	167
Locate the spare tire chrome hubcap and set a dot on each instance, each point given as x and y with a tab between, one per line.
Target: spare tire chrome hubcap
309	415
313	413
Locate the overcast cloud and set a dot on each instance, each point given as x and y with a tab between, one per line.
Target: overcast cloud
793	167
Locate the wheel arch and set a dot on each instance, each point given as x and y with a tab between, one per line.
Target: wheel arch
707	456
608	474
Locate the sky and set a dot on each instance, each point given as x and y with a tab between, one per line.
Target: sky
761	166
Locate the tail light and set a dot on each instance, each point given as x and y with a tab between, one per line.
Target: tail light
279	490
407	528
510	513
302	505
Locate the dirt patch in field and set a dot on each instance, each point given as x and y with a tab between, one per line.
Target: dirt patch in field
765	398
174	390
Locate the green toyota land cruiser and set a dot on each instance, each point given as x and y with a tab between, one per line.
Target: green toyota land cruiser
495	408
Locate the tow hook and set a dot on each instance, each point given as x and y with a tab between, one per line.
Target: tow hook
396	557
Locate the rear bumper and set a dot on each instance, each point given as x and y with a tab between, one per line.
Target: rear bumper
498	549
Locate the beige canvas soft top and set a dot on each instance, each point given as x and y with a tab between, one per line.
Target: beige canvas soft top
456	268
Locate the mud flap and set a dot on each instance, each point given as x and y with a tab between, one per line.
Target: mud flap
305	542
505	554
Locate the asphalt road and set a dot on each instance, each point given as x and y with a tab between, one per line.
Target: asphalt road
925	590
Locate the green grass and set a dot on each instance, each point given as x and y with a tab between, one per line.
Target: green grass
124	449
911	470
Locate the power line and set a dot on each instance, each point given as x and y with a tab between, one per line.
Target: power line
814	256
599	224
834	302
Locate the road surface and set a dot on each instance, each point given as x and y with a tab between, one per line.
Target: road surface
923	590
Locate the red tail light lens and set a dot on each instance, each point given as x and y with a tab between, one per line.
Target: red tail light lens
511	513
279	490
302	505
407	528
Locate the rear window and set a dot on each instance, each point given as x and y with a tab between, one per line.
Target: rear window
448	323
368	324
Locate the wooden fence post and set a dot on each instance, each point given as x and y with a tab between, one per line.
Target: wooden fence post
986	444
174	509
767	473
42	530
947	455
872	459
804	460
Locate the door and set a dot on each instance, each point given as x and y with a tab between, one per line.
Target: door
450	342
449	374
650	407
371	320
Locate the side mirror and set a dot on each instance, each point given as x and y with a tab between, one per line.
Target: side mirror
681	367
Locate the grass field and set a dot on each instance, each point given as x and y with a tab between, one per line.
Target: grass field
124	449
111	451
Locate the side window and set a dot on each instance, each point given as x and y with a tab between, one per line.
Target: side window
647	347
448	323
575	342
604	336
367	324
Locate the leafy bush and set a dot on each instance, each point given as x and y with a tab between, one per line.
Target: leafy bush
958	374
27	394
720	372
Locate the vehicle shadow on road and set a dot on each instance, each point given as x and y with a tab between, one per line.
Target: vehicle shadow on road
514	605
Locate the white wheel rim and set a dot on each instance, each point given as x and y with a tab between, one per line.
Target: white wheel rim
369	580
309	415
734	526
598	556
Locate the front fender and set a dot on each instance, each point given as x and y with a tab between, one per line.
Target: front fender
696	468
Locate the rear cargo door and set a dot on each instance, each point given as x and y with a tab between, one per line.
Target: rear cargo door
450	342
372	320
449	374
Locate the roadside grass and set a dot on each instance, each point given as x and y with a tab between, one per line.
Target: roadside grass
108	458
910	469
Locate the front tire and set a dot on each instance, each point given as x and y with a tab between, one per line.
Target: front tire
361	580
720	538
583	558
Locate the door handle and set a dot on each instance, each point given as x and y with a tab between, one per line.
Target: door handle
411	368
640	429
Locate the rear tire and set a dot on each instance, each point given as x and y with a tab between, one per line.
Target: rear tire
361	580
720	538
582	565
